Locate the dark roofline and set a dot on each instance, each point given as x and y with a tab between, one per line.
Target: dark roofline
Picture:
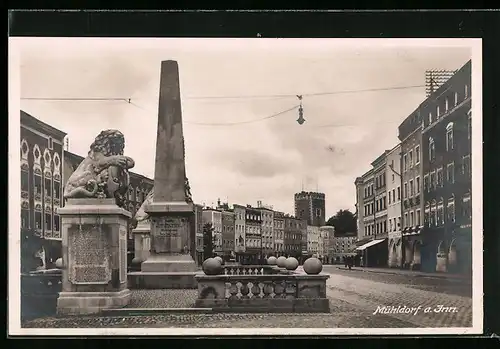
27	119
430	99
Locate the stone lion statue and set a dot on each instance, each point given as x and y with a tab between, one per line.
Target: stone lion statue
104	172
141	215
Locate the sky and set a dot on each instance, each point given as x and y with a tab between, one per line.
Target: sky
267	160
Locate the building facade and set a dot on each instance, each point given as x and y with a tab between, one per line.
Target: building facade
361	212
239	231
447	194
279	233
410	135
42	171
394	208
343	246
228	233
293	232
327	233
366	182
310	206
253	235
198	219
214	217
267	229
313	240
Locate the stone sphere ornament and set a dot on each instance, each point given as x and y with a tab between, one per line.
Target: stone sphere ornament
212	266
272	260
59	263
313	266
291	263
281	261
220	260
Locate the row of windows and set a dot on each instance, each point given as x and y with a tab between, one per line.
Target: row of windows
378	205
392	195
450	141
378	228
435	178
408	158
50	188
51	222
432	118
411	188
434	210
412	219
379	181
368	190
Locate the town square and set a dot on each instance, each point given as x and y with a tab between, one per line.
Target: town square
211	184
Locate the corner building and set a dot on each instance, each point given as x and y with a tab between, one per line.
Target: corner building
447	151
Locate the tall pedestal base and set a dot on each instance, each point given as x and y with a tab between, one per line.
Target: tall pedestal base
94	240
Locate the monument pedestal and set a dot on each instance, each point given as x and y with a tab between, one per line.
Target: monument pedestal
94	242
142	241
170	264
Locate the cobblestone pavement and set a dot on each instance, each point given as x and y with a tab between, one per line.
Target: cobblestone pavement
162	298
354	298
450	286
365	293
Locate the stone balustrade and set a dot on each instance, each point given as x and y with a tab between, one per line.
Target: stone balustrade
250	270
267	288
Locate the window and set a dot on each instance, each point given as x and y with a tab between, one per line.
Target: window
318	212
432	219
449	137
412	218
439	177
466	91
451	209
417	180
418	218
399	193
410	154
427	215
25	185
430	118
405	162
405	223
426	183
406	190
437	111
389	198
50	144
466	206
393	178
456	98
412	188
450	173
440	213
37	184
48	187
390	225
57	190
399	222
432	181
417	155
385	226
432	150
446	104
48	221
394	195
25	219
466	166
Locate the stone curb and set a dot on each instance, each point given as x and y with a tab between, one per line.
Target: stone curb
446	277
154	311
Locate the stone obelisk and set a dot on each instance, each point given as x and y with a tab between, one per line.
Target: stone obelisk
170	211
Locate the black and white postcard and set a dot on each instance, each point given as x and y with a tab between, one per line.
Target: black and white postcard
245	186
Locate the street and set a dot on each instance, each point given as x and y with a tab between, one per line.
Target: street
358	299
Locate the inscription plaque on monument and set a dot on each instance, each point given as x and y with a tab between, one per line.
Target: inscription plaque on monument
88	255
168	234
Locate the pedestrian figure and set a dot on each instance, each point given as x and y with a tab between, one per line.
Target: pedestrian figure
345	261
350	262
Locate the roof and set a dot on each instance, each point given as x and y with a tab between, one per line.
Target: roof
29	120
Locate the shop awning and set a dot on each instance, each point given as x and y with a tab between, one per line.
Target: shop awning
369	244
